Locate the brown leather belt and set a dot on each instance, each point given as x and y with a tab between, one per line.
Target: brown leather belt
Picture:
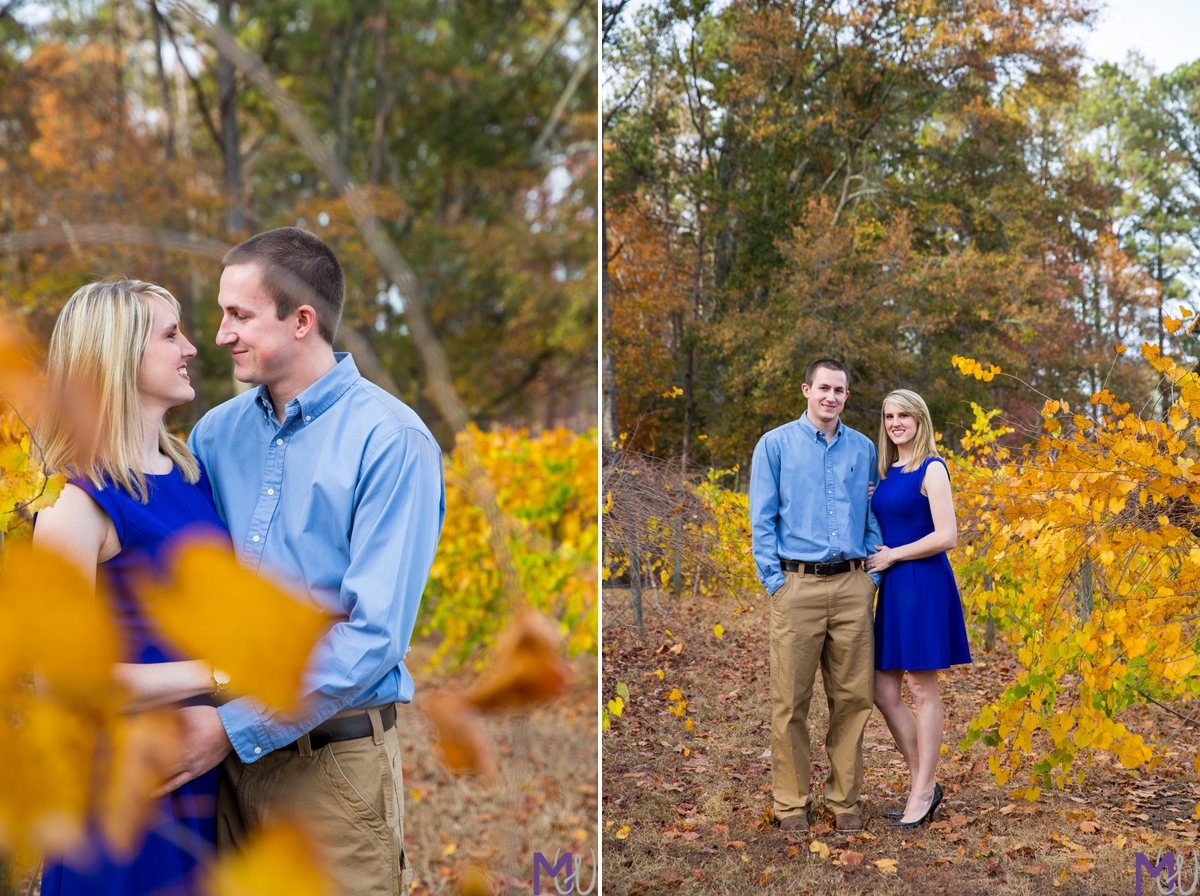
346	728
820	569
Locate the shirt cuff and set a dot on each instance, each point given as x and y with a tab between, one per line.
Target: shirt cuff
774	583
243	723
876	577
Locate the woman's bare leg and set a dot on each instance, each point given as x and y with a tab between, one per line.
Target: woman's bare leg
899	717
929	725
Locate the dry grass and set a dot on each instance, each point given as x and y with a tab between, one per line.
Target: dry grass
544	798
698	822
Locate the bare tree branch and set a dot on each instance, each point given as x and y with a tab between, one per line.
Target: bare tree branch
76	235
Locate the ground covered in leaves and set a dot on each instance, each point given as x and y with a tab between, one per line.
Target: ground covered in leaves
544	797
690	811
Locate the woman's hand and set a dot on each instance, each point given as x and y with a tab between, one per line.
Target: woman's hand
881	559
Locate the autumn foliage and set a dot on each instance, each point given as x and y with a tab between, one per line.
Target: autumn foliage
1083	546
546	489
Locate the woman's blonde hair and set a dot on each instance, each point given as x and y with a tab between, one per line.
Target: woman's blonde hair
96	350
924	445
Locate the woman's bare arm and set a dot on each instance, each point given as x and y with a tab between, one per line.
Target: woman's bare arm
78	530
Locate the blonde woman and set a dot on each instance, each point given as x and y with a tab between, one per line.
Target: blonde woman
117	364
919	625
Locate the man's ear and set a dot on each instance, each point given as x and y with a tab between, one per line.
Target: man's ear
306	321
804	387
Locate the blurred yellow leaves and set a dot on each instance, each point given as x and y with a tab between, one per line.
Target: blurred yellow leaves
50	617
265	653
143	749
278	861
546	486
57	697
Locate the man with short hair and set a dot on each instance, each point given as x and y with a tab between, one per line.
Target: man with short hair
812	528
333	487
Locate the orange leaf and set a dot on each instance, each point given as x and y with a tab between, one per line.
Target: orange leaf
460	735
526	666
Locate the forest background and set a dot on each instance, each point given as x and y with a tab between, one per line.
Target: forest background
447	152
890	184
945	196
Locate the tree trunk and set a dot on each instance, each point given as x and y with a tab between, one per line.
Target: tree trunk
187	314
168	102
608	426
635	591
689	402
227	93
381	96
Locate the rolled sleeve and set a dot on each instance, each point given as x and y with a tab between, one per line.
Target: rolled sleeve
764	514
399	507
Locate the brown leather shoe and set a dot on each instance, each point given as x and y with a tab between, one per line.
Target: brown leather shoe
847	821
794	823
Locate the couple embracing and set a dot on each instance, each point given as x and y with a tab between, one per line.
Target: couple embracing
321	482
833	519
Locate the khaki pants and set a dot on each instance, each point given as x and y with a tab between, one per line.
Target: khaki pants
825	620
349	793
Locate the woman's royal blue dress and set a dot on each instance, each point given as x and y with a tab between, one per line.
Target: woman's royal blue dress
918	615
183	834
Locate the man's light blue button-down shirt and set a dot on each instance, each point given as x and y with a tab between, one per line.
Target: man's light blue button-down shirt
342	503
809	498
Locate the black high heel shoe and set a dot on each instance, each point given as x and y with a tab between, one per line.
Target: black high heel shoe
928	816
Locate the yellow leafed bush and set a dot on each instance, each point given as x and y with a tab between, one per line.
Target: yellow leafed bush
546	486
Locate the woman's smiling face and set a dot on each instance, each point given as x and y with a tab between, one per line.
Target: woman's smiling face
900	425
162	375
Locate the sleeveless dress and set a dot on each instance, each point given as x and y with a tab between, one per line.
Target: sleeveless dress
918	616
183	834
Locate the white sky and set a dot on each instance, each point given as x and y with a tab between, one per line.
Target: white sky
1165	32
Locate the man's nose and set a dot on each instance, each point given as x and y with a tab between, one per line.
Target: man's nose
225	336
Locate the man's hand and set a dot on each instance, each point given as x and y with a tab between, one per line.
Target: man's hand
881	559
205	744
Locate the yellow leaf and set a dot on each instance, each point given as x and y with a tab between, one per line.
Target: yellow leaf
278	861
266	652
689	725
616	706
449	849
887	866
67	633
661	675
718	630
675	694
622	832
144	751
819	848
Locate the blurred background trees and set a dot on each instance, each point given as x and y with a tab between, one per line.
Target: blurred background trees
890	184
128	144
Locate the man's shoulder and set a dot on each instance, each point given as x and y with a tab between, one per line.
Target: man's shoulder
227	411
381	413
855	437
773	436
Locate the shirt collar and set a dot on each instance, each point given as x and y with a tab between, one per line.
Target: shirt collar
815	434
318	397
